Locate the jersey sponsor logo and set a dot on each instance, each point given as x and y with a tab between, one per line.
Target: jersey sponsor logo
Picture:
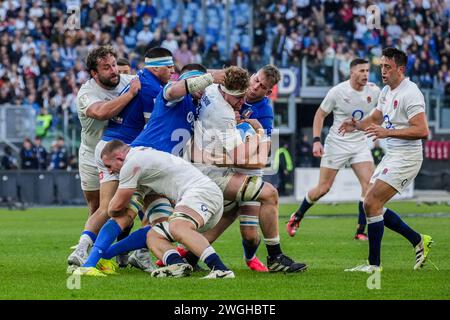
369	99
404	182
395	104
358	114
190	117
204	207
247	113
388	122
385	170
117	119
205	101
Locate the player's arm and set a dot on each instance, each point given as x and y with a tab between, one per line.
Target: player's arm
120	201
253	153
319	118
418	130
179	89
105	110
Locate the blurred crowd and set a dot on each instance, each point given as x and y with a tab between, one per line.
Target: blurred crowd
325	31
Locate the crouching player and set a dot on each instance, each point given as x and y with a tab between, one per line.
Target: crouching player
198	206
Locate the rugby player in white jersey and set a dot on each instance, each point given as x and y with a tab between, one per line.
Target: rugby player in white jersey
401	110
125	126
199	205
218	149
99	100
353	98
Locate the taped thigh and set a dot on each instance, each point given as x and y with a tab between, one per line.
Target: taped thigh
159	208
250	189
162	229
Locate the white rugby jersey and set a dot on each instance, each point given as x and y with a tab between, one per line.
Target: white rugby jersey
161	171
398	106
215	128
345	102
89	93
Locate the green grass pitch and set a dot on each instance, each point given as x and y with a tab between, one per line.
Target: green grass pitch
34	245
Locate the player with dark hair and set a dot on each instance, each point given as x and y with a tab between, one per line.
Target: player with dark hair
354	98
124	66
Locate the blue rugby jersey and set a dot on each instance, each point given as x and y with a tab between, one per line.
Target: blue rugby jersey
171	125
260	110
128	124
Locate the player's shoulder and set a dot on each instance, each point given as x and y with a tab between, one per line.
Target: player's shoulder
212	90
266	108
126	78
411	91
88	86
373	87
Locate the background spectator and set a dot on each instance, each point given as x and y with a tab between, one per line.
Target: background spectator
9	162
28	156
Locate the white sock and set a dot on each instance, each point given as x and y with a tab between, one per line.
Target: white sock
85	242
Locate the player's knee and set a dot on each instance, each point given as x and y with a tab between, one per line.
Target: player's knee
269	194
178	228
371	206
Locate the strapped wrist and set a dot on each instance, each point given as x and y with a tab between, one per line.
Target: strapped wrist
317	139
199	83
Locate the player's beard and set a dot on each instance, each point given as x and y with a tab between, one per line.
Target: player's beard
108	82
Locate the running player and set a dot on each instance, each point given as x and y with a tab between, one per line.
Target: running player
352	98
401	107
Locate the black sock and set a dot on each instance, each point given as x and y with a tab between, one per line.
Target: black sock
303	208
273	249
125	233
191	258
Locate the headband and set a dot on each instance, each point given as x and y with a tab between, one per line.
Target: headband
159	62
234	93
190	74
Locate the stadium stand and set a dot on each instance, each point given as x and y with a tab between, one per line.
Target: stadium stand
41	57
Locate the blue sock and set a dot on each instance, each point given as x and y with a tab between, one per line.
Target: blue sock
105	238
249	249
375	233
172	257
395	223
136	240
361	218
214	263
90	234
303	208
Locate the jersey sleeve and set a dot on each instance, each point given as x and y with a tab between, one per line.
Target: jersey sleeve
129	175
170	103
329	102
86	99
415	104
